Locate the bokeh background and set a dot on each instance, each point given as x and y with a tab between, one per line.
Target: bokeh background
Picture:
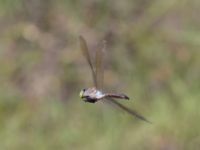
152	55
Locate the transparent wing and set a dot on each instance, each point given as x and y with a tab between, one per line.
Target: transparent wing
100	66
84	48
128	110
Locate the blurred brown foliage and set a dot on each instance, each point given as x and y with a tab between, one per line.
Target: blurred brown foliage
152	54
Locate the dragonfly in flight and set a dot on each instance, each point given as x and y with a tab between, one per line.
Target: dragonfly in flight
95	94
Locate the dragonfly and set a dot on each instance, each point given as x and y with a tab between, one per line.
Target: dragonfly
95	93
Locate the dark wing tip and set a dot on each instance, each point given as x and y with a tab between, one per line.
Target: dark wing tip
126	97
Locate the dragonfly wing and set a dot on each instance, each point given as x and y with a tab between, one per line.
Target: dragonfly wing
128	110
84	49
100	66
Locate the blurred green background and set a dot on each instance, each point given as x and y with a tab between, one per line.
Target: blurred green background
152	55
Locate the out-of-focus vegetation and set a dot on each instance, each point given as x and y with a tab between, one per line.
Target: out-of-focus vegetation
152	55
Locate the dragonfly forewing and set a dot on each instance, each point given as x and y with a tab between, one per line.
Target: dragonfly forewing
84	49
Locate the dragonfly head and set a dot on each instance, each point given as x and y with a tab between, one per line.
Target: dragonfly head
81	94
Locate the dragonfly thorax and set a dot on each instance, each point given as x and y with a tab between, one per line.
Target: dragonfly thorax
91	94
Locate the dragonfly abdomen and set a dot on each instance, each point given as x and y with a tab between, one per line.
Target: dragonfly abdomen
119	96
